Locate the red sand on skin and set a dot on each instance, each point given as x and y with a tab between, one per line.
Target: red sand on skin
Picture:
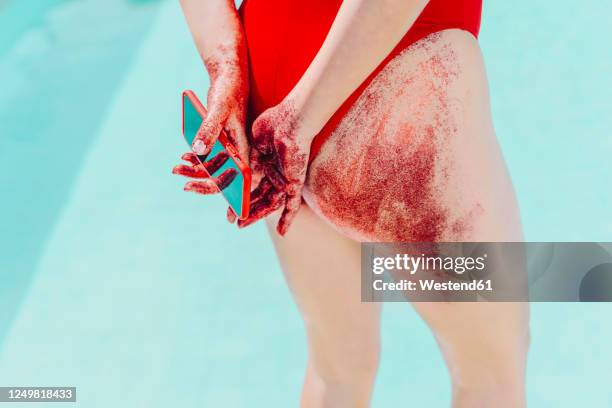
383	172
421	216
227	96
283	157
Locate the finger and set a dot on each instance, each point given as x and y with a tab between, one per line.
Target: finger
208	133
216	162
254	159
257	168
292	206
237	134
190	171
202	187
269	203
261	190
211	165
275	177
256	177
231	215
225	179
191	158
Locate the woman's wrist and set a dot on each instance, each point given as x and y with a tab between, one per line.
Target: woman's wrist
227	66
227	58
309	119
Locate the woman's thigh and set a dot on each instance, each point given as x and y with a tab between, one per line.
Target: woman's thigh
322	269
416	158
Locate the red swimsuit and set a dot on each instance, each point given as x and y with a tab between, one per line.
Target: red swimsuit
283	37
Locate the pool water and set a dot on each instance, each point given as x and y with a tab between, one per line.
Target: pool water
115	281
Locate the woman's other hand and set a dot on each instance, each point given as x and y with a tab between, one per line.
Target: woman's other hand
280	151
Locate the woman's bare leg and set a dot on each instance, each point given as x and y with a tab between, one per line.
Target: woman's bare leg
322	269
485	347
416	159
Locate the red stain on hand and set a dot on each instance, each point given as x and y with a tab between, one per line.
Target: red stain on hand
281	152
215	163
201	169
227	98
226	178
212	185
266	200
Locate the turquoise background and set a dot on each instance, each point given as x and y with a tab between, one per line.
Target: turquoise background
115	281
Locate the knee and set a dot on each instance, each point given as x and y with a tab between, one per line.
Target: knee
340	382
500	384
344	360
344	344
498	368
346	369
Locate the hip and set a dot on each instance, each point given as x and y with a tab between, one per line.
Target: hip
415	156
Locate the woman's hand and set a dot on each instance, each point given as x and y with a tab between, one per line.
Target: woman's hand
280	151
218	34
201	170
226	101
219	37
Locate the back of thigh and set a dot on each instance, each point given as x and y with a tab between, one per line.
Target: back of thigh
416	159
322	269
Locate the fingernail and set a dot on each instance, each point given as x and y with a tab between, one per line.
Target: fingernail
199	147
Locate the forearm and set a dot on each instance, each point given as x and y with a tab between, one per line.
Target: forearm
217	33
219	37
362	35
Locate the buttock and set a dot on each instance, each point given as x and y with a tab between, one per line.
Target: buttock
414	157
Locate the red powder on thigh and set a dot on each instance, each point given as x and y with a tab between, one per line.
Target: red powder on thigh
384	172
384	199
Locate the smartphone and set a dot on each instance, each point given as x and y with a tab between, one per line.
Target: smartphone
237	191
